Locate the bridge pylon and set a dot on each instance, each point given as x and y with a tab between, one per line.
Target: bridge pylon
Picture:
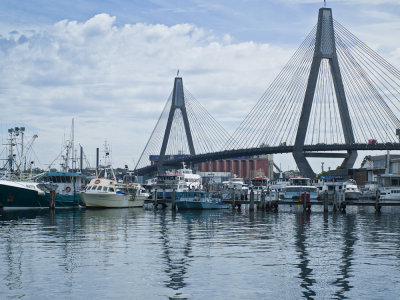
178	102
325	48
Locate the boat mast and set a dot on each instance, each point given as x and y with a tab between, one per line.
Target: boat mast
72	146
11	155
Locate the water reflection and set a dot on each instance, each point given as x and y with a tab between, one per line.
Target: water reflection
176	249
306	273
346	262
12	243
157	254
177	233
14	253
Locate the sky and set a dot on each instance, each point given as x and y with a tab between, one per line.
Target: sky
110	65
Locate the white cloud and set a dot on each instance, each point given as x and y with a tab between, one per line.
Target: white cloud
115	80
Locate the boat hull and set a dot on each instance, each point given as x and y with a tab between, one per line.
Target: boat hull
16	195
352	195
110	200
64	200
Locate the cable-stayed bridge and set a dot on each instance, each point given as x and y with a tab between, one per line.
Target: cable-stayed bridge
331	99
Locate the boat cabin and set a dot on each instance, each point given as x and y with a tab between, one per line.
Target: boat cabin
300	181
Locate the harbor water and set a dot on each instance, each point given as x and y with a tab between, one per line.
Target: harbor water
161	254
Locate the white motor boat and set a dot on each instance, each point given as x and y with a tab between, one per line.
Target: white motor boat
107	192
351	191
349	188
297	188
181	180
236	183
389	187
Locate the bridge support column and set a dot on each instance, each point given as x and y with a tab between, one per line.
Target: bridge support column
178	102
325	48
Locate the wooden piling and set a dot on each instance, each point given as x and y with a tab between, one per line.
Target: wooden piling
325	199
262	200
155	204
173	200
342	202
268	202
335	200
377	204
251	208
52	199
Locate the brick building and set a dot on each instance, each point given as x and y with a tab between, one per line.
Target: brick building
244	167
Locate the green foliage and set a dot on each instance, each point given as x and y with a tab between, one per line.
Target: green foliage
322	175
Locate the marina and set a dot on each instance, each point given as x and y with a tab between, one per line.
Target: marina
298	198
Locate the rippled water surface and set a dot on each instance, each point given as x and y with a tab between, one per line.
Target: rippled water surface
146	254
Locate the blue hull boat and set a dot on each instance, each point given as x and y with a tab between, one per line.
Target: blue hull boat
199	200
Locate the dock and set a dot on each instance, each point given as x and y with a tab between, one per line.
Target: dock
271	201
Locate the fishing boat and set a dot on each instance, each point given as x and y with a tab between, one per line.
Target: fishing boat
66	185
21	194
17	189
199	200
106	191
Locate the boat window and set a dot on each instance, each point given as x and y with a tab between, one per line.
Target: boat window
395	181
111	189
99	188
94	187
104	188
88	187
